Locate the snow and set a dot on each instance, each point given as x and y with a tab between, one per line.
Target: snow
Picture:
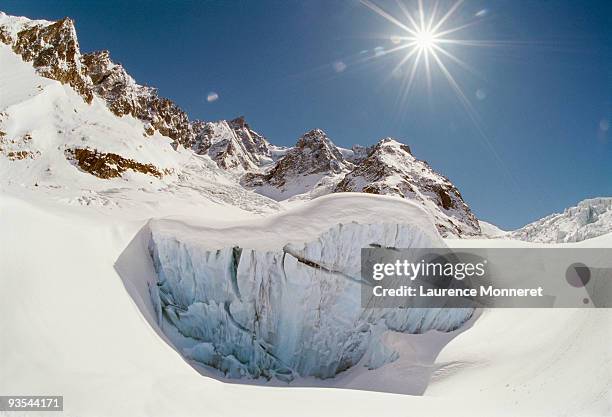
532	361
490	230
77	318
301	187
14	24
281	299
588	219
56	118
307	222
67	297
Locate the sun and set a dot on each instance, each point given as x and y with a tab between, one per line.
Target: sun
430	37
427	35
425	40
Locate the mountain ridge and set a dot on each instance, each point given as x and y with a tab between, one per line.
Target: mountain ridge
315	166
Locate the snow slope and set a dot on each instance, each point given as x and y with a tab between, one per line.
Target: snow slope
74	330
490	230
536	362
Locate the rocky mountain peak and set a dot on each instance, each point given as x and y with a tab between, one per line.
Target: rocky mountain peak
257	145
314	152
391	169
233	145
390	145
312	163
53	49
314	137
239	123
389	153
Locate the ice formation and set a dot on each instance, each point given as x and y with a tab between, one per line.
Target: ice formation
294	310
588	219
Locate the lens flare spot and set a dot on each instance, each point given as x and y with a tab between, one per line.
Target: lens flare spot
339	66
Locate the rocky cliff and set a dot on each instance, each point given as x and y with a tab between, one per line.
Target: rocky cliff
53	49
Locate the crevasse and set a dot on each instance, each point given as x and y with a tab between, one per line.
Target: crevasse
290	312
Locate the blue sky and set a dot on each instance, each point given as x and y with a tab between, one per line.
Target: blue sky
542	96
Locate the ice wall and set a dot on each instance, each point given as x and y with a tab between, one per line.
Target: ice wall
283	313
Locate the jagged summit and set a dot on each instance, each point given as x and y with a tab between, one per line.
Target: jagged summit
53	49
233	145
391	169
256	144
314	164
314	153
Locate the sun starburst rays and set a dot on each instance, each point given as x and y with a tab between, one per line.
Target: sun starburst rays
427	38
426	41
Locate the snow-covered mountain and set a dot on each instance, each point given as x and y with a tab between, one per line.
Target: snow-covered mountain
313	167
53	49
391	169
233	145
588	219
58	144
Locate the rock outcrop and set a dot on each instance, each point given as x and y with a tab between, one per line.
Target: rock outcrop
54	50
108	165
125	97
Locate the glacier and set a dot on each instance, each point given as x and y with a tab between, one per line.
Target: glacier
282	306
590	218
